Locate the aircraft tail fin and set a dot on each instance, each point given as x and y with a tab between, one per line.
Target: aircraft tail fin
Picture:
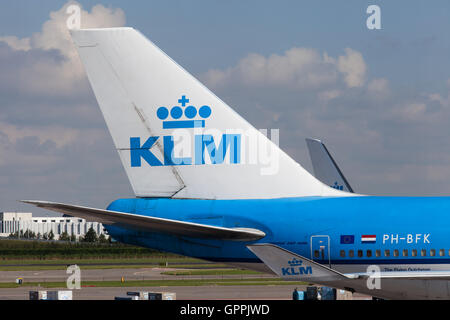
174	136
324	166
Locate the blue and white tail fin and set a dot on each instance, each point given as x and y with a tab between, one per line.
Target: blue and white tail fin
174	136
324	166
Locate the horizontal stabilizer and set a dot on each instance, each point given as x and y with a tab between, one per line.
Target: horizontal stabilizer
291	266
152	224
408	275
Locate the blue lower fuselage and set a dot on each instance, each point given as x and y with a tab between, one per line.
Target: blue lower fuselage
341	231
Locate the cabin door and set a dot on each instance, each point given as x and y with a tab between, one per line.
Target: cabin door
320	249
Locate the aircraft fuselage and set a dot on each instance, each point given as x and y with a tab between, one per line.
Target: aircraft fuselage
348	234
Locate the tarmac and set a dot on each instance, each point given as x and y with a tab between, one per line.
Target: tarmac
265	292
207	292
114	274
279	292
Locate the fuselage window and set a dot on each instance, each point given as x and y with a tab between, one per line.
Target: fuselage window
387	253
351	254
432	252
343	253
377	253
442	252
423	252
414	252
395	253
405	252
369	253
360	253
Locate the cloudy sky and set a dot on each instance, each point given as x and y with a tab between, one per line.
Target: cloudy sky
379	99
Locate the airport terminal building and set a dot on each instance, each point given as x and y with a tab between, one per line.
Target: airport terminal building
11	222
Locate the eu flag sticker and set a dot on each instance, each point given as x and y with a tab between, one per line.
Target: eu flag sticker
347	239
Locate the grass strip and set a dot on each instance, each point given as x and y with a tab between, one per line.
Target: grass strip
215	272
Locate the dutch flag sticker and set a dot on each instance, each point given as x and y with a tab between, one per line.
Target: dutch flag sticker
368	238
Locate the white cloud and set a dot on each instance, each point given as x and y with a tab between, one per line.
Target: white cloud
408	112
16	43
329	95
443	101
378	87
55	35
43	67
353	66
58	76
437	97
297	68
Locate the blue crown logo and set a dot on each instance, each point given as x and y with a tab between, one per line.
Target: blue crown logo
295	262
186	113
337	186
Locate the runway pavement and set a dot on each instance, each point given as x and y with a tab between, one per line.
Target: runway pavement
278	292
283	292
113	274
242	292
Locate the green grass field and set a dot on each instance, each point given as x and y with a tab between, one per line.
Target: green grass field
210	272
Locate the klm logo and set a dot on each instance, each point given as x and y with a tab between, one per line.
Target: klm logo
295	268
230	143
183	116
337	186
